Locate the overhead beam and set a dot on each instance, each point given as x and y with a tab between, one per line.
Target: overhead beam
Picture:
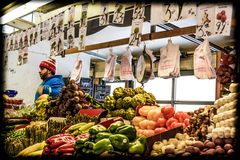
145	37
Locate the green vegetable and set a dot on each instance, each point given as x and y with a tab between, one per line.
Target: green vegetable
96	129
138	146
127	130
130	114
112	128
119	141
102	135
79	144
89	145
102	146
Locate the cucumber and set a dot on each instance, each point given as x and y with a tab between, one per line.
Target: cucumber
16	121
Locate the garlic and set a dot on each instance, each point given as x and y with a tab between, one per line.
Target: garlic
221	124
233	96
227	132
233	132
157	146
221	132
215	119
210	128
218	125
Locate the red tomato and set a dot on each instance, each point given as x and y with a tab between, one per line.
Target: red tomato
161	122
186	122
168	111
185	115
170	121
160	130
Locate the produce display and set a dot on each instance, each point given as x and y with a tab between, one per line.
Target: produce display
200	121
15	141
131	125
154	119
117	138
125	100
36	132
55	125
183	145
225	118
11	102
70	101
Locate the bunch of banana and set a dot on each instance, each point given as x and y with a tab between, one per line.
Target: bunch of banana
79	128
34	150
41	106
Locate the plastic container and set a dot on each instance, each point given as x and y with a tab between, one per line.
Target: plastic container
11	93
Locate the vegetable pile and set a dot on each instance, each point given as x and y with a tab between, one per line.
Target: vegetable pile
125	100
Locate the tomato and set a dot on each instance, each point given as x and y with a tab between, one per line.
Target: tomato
160	130
170	121
168	111
185	115
161	122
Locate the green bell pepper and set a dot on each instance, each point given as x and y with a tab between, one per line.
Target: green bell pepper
112	128
119	141
79	144
102	135
102	146
127	130
138	146
96	129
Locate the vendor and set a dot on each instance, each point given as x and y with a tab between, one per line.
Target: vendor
52	84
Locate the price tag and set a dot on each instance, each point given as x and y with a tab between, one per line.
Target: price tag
223	18
136	32
82	38
119	14
205	21
104	16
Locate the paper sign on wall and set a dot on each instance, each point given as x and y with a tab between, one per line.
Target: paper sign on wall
104	16
16	41
23	49
83	28
30	36
137	23
11	42
188	10
138	11
52	35
83	20
156	11
136	32
44	30
70	32
170	12
223	18
119	14
205	21
60	34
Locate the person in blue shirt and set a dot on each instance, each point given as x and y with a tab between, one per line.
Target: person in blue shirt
52	84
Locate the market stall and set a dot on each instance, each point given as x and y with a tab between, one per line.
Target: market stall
92	118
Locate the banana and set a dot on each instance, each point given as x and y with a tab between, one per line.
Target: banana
36	153
75	127
30	149
86	127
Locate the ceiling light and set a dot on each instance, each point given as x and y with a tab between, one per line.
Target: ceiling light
23	10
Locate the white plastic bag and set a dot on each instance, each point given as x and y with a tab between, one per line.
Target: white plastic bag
77	70
110	67
202	62
169	63
126	66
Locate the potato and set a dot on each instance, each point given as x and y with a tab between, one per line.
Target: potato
196	150
211	151
230	152
190	149
198	144
205	142
210	145
169	150
228	146
220	150
186	154
218	141
228	140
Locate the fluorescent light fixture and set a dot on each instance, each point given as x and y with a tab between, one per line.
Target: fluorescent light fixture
23	10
